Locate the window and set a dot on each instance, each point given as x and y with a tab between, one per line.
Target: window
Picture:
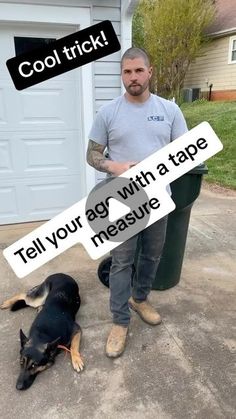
232	50
25	44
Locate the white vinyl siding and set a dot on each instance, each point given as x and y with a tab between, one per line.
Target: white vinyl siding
212	67
107	80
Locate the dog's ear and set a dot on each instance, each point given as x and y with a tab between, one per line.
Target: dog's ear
53	345
23	338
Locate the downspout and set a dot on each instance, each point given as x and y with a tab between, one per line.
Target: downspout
127	11
209	94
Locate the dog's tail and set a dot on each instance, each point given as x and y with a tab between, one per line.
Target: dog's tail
18	305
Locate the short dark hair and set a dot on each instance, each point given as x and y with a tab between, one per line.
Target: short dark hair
133	52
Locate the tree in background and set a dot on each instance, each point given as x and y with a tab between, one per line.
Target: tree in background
173	33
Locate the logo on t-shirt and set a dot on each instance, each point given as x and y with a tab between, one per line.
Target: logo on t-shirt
155	118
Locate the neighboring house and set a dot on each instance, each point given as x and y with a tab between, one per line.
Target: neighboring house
217	65
44	129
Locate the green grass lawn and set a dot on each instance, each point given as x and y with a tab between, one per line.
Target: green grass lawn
222	117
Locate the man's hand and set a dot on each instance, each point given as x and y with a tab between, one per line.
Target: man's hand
116	168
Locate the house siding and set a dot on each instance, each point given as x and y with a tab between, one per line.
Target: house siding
213	67
106	71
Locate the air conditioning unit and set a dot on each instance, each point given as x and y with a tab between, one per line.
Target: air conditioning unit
191	94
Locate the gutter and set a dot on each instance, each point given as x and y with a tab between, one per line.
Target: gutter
222	33
128	6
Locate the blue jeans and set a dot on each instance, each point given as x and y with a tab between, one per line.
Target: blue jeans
151	242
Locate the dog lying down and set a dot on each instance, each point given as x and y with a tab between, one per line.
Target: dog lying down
54	327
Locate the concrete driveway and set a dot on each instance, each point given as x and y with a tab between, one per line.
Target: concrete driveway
184	368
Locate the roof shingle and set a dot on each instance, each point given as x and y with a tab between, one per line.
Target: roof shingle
226	16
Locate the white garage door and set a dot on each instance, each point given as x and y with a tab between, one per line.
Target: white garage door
40	135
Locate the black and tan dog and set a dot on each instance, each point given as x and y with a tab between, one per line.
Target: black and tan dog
53	327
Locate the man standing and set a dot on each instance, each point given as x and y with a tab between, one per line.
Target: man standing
132	127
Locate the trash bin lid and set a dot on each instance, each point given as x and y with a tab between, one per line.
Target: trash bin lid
201	169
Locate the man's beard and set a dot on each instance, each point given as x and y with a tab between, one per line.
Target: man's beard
136	89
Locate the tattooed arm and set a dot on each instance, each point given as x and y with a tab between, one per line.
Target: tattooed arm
96	159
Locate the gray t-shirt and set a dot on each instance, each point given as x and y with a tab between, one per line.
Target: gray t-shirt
133	131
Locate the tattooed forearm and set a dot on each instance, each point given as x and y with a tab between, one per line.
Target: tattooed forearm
96	158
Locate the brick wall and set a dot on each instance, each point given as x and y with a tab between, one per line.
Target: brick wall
221	95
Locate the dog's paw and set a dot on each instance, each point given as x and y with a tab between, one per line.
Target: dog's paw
77	362
5	304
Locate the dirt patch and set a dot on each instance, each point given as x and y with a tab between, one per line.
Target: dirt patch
213	187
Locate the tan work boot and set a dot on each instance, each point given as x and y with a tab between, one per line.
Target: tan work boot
147	313
116	341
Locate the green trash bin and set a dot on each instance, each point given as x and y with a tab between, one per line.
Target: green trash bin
185	191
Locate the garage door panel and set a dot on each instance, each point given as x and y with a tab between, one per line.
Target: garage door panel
6	160
8	199
3	113
43	196
6	53
53	106
9	104
55	154
46	199
42	200
34	110
47	107
32	154
43	155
